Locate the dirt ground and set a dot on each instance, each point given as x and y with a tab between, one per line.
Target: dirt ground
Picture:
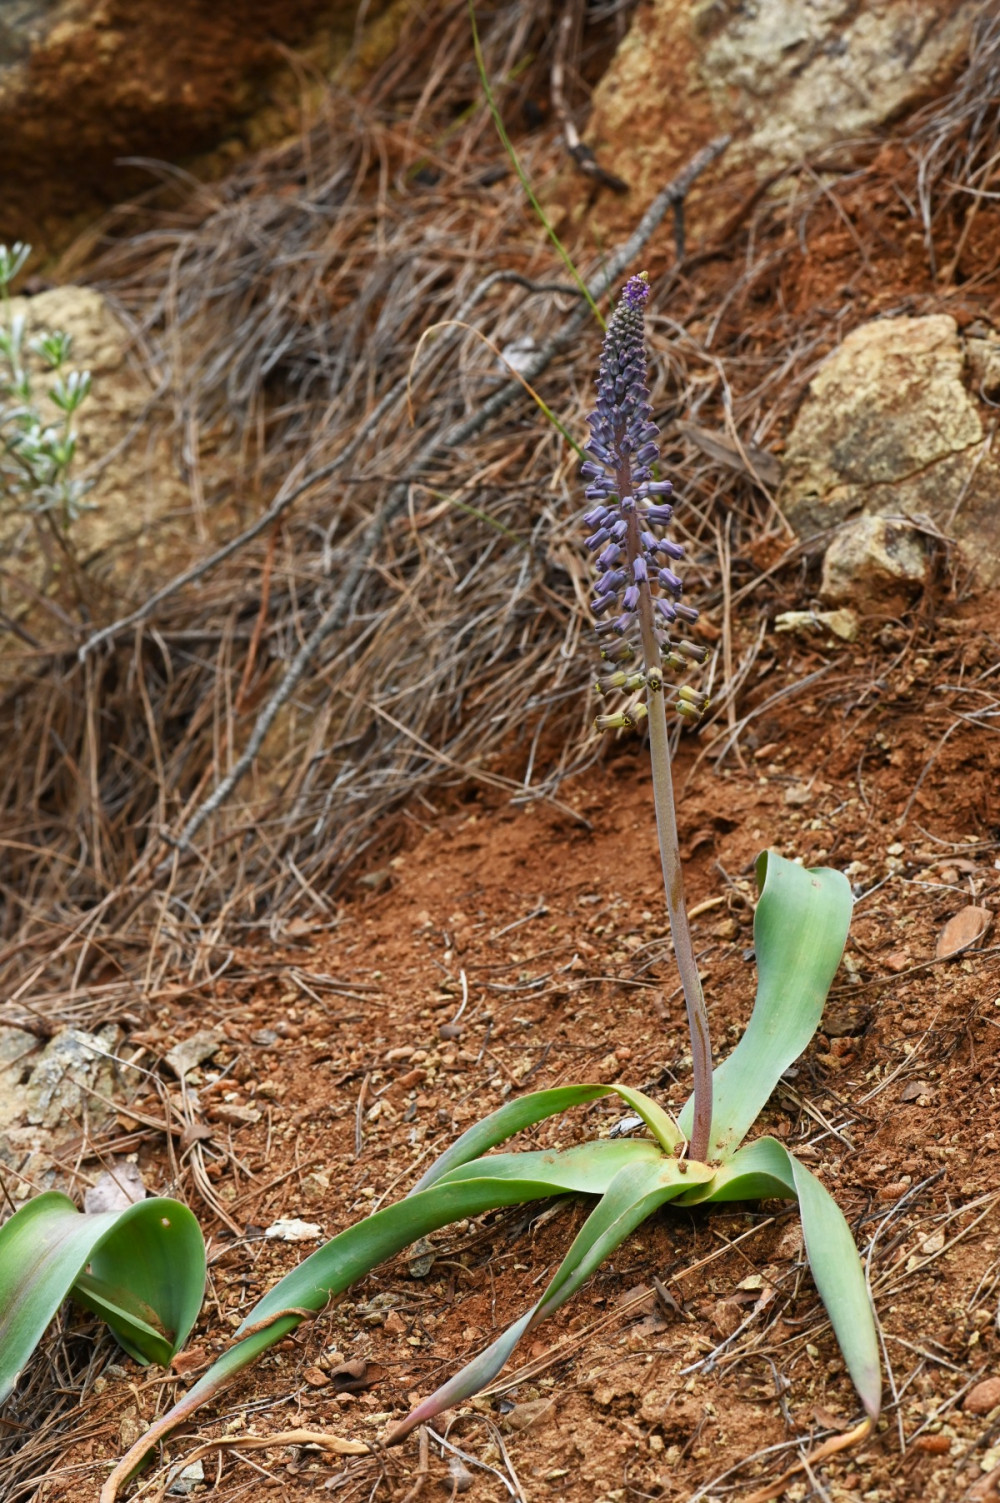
479	943
499	948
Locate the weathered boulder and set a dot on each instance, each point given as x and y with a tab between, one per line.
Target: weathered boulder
86	85
893	426
874	561
49	1092
785	77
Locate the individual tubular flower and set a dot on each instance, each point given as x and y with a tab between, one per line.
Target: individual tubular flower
633	564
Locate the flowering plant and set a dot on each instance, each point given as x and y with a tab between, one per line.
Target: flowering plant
800	928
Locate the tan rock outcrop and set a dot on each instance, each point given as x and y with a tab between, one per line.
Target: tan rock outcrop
786	77
893	425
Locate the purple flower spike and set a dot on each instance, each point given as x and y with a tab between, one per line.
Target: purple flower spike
629	514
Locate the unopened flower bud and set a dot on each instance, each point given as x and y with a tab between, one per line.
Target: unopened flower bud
623	720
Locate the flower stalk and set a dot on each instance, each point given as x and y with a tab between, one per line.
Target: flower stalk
633	556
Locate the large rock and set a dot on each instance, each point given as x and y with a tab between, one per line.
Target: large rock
785	77
87	84
49	1093
875	562
893	425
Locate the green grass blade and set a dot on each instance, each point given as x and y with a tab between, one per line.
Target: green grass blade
516	164
800	928
636	1191
472	1190
765	1168
147	1260
525	1111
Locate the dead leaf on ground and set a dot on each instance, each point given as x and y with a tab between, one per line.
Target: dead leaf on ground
354	1377
963	930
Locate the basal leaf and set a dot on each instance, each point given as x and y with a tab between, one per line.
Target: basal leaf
840	1279
800	928
148	1268
766	1168
525	1111
635	1192
468	1190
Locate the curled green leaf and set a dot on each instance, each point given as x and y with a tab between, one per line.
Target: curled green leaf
141	1268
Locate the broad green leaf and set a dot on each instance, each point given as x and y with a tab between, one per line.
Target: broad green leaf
469	1191
525	1111
586	1169
766	1168
800	928
636	1191
146	1275
755	1172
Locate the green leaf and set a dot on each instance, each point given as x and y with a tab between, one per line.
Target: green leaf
525	1111
766	1168
800	928
469	1190
840	1279
635	1192
146	1275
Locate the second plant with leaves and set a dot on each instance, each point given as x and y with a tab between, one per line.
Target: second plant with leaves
800	929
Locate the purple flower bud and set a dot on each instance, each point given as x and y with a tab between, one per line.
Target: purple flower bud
659	487
608	584
596	517
670	581
591	471
609	557
666	608
669	549
599	451
687	613
639	571
636	290
601	604
630	599
598	539
619	529
646	453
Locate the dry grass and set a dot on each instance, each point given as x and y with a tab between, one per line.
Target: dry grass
445	596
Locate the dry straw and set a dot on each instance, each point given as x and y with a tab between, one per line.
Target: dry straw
369	609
